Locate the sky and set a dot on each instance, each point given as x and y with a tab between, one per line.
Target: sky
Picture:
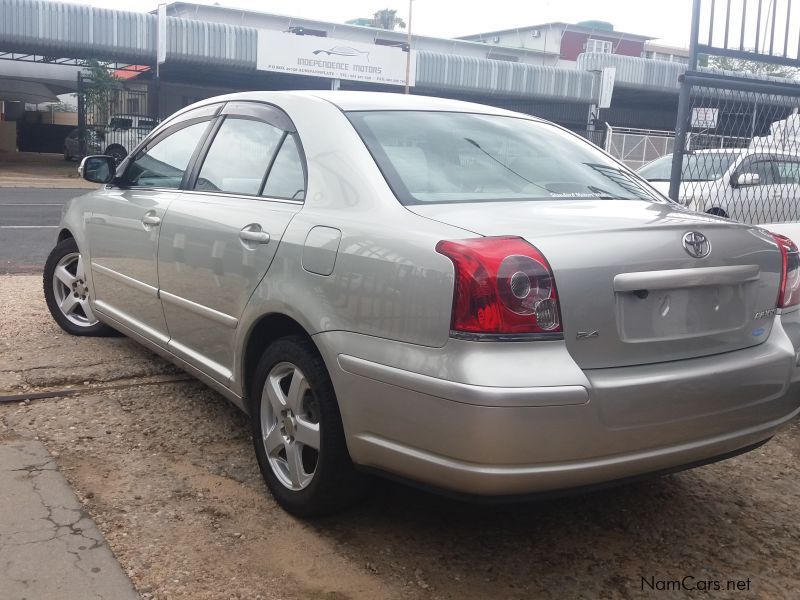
667	20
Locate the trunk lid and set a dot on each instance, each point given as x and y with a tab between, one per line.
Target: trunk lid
622	271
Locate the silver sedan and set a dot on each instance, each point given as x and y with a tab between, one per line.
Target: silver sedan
471	299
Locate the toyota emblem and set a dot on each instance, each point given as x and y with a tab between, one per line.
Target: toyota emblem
696	244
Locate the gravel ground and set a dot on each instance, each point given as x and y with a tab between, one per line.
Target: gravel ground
168	473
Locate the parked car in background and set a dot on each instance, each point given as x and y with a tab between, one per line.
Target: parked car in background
72	147
746	185
454	294
116	139
123	133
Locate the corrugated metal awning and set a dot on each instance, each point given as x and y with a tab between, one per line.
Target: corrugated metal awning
503	78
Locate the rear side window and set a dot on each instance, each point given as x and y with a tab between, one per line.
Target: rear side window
286	177
239	157
434	157
788	171
164	163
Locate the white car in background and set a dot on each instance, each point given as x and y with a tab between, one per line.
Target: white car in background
753	186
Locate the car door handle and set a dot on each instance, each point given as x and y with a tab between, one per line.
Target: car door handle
254	235
151	220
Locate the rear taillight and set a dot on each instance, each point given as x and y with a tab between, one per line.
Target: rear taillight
503	286
790	272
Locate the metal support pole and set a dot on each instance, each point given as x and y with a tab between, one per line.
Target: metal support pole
684	108
81	116
408	56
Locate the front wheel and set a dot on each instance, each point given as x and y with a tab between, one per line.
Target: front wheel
118	153
67	293
297	432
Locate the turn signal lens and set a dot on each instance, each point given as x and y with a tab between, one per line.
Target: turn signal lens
790	272
503	285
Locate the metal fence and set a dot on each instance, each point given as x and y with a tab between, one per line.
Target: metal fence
737	144
112	118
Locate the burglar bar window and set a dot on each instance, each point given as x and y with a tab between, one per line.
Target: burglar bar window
602	46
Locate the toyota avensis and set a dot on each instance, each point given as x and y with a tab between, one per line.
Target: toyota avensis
471	299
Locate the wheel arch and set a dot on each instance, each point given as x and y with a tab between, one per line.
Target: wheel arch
264	331
64	234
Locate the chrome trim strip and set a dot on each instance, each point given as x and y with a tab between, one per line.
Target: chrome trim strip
204	362
242	196
130	281
130	322
199	309
464	393
683	278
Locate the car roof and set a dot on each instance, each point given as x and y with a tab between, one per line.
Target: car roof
355	100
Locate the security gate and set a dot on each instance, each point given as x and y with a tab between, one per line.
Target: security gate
113	116
750	169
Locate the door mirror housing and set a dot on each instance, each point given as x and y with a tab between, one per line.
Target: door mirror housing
98	169
745	179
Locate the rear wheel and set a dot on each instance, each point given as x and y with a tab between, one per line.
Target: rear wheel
67	292
118	153
297	432
717	212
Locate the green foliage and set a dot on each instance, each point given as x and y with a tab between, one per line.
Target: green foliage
387	19
753	67
99	82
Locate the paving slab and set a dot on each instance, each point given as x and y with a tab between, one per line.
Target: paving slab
49	547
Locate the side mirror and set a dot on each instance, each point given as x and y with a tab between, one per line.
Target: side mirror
98	169
746	179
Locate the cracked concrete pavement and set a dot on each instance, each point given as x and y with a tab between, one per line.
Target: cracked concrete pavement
49	547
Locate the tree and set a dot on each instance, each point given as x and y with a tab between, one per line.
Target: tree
387	19
97	87
754	67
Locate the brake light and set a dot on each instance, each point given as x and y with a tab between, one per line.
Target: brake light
790	272
503	285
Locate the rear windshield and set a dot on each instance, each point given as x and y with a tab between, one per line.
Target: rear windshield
702	166
435	157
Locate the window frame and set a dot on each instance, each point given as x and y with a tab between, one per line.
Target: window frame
254	111
154	141
595	41
748	161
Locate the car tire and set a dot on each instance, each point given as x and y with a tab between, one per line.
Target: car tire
118	153
291	396
66	292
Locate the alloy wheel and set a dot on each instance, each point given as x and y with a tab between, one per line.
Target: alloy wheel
72	292
290	426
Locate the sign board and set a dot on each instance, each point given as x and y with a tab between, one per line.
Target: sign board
162	34
332	58
704	118
606	86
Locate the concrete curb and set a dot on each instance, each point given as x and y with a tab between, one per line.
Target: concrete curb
49	547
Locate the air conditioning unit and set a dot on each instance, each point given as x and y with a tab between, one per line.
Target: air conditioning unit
535	33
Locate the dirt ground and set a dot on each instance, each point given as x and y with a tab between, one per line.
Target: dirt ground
168	473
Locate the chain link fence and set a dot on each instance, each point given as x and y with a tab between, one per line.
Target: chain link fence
742	155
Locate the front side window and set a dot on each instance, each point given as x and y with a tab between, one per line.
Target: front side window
762	168
239	157
430	157
164	163
788	172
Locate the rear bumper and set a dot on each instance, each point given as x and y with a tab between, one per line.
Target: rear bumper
441	416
